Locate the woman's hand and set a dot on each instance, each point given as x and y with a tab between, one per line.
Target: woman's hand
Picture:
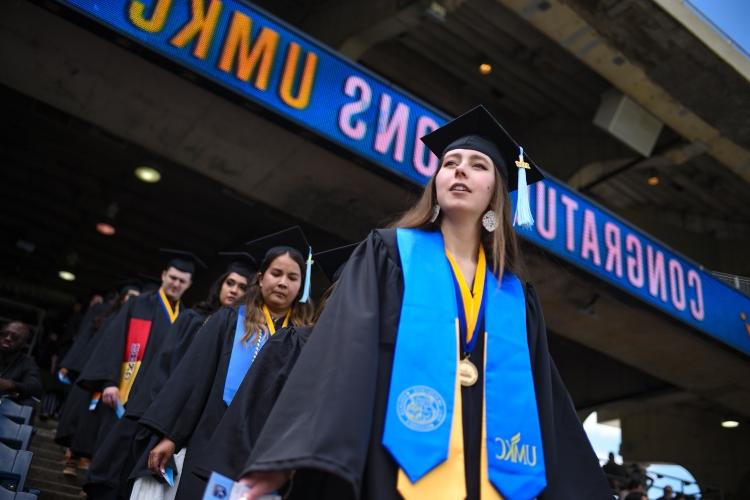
263	483
160	455
110	396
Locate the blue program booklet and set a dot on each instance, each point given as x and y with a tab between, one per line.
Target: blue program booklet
168	475
63	378
119	410
222	488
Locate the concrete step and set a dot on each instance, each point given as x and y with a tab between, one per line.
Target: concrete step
46	467
56	495
48	455
53	475
47	463
52	485
41	445
45	433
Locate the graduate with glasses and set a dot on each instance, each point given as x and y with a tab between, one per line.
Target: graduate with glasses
428	376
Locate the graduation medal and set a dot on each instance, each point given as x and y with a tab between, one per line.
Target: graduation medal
467	372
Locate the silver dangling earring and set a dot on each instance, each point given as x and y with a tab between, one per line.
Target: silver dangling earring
489	220
435	213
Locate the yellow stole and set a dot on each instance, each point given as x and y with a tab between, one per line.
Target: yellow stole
172	313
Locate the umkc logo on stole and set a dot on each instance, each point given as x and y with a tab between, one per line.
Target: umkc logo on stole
511	450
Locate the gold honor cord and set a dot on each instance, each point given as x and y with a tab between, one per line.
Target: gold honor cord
471	299
269	320
172	313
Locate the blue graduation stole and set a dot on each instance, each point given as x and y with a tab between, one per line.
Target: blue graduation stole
423	381
242	356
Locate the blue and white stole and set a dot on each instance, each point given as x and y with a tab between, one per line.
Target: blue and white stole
423	424
244	353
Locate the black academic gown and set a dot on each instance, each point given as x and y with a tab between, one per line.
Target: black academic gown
191	404
238	430
328	421
155	377
112	461
77	356
152	377
75	410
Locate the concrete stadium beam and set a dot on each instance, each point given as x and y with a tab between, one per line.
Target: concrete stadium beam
562	24
706	33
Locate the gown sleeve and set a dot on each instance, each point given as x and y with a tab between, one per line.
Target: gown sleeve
323	417
572	467
103	367
178	406
238	430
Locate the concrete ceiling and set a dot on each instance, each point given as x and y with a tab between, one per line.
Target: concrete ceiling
547	91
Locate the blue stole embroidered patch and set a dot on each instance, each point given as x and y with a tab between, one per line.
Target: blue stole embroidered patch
421	395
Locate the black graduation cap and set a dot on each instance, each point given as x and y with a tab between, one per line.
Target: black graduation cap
478	130
126	284
241	263
332	261
292	237
183	260
149	283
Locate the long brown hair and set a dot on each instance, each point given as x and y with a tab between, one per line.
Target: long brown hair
500	246
255	321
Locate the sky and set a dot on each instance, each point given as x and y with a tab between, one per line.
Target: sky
731	17
606	438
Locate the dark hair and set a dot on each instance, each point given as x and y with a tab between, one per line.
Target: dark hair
635	495
633	484
213	301
301	313
500	246
120	299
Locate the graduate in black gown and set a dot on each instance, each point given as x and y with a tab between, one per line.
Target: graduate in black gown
197	394
227	291
77	427
130	343
235	434
73	361
423	378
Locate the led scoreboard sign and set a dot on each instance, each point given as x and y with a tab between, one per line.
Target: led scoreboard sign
262	59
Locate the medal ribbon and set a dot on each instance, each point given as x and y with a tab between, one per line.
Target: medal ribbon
470	301
425	390
171	313
269	321
243	354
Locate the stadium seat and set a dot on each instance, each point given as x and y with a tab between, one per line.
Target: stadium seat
14	468
15	435
18	413
6	494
